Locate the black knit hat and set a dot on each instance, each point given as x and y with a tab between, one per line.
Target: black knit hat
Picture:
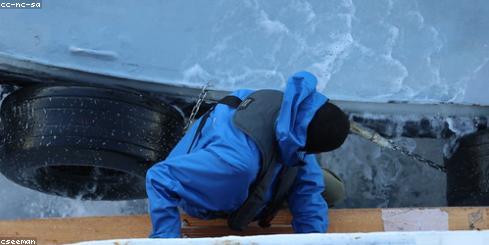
327	130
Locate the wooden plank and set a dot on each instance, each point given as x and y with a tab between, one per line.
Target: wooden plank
468	218
67	230
355	220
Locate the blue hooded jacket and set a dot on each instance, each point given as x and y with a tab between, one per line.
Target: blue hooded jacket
217	172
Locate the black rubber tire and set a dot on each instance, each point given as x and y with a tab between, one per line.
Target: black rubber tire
468	171
85	142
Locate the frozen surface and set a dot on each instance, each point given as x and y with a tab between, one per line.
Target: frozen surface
385	238
360	50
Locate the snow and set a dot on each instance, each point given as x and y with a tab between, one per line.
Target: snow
424	51
386	238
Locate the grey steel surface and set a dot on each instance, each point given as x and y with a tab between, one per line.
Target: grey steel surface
38	72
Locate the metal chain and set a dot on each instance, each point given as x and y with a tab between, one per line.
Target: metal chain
195	109
379	140
417	157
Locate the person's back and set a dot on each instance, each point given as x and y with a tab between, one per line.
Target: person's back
222	165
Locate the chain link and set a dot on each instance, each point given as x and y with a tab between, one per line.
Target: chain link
195	109
379	140
417	157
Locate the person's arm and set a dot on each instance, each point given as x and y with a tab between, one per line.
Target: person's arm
164	188
163	198
308	207
199	181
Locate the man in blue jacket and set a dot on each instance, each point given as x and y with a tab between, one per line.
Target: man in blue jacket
245	156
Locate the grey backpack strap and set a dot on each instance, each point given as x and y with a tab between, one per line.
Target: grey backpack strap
230	100
284	184
256	116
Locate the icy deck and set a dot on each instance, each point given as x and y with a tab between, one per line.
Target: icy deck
404	238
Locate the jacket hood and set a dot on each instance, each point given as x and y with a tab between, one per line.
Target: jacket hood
300	103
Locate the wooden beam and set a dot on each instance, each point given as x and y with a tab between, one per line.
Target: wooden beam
68	230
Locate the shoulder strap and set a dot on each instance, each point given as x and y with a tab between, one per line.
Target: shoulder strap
256	117
283	186
230	100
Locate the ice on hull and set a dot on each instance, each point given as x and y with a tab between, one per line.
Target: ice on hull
422	51
405	238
